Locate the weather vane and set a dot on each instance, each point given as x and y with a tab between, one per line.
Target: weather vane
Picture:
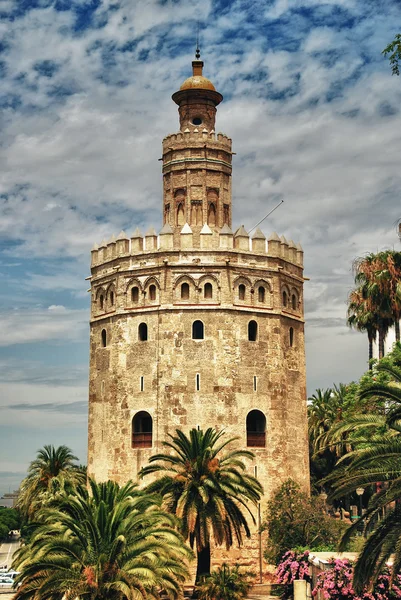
197	51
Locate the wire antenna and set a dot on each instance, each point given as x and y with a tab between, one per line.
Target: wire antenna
268	214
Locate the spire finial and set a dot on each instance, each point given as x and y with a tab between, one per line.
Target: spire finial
197	51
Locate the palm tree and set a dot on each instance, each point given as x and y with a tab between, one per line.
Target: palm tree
226	583
112	543
206	489
52	472
359	317
376	302
376	456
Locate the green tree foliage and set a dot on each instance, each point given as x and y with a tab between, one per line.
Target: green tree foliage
326	408
294	520
50	475
206	488
375	457
9	520
225	583
393	53
110	543
375	303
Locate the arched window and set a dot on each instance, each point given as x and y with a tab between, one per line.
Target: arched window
285	298
142	332
112	298
135	294
256	429
180	214
184	291
152	292
294	302
104	338
291	336
197	330
211	216
101	301
241	292
261	293
142	427
252	331
208	291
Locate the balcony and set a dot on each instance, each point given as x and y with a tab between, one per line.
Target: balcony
142	440
256	439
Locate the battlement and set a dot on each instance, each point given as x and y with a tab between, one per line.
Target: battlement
208	240
197	135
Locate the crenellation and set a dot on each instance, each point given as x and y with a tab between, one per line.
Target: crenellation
122	244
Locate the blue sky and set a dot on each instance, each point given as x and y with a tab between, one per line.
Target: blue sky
86	85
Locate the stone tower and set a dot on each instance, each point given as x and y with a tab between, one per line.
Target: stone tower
197	326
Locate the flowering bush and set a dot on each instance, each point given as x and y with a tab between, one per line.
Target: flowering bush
293	565
336	584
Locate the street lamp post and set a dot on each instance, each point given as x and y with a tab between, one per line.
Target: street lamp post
359	492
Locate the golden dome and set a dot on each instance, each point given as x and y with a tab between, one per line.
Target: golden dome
197	82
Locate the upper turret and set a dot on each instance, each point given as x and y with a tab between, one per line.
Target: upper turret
197	99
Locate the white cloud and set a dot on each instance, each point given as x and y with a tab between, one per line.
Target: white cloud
40	325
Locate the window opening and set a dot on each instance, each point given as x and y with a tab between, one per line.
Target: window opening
211	217
255	383
180	214
197	121
261	294
101	300
256	429
142	383
197	382
112	298
197	330
291	336
135	294
294	302
285	298
143	332
241	292
208	291
184	291
252	331
104	338
152	292
142	427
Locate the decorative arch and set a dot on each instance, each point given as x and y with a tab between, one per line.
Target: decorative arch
134	292
242	289
294	299
185	279
262	292
285	296
111	296
152	290
209	289
142	430
256	429
100	299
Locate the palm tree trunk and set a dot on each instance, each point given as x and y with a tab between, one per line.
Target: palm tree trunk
370	352
397	330
203	566
381	343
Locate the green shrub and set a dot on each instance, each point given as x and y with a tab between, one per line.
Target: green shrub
225	583
295	520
